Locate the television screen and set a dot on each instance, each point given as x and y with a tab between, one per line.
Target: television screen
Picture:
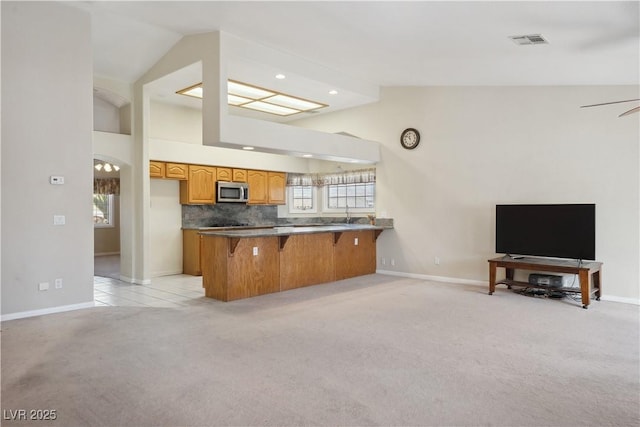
559	231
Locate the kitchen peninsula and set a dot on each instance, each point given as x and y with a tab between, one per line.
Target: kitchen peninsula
245	263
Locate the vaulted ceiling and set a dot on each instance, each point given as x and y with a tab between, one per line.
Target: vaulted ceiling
393	43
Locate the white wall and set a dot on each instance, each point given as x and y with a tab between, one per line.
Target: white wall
486	145
106	116
46	130
165	228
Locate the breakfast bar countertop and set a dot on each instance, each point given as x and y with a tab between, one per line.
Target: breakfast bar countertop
290	230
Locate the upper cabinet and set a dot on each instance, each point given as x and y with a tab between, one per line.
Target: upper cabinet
167	170
239	175
277	182
176	171
258	191
156	169
198	182
199	188
223	174
267	188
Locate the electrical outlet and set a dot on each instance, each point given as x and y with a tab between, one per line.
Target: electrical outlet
43	286
384	261
59	220
393	262
436	261
355	241
58	283
255	251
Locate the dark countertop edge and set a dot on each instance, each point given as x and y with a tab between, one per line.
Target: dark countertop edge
289	230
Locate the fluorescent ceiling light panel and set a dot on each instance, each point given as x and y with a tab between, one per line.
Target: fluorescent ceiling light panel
237	100
248	91
259	99
265	107
195	91
291	102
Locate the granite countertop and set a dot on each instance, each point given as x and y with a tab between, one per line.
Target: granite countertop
288	230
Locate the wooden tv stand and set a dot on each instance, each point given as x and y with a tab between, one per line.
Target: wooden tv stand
588	273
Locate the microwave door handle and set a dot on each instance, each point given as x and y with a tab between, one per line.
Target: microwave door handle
245	190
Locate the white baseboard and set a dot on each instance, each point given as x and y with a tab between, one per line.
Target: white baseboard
166	273
135	281
105	253
41	312
485	283
435	278
620	299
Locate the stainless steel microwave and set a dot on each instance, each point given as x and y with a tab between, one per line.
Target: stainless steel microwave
232	192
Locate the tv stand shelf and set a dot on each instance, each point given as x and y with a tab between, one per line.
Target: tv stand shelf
588	274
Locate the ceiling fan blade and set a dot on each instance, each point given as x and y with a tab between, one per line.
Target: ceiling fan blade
609	103
633	110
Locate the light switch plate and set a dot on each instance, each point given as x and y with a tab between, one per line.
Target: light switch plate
59	220
56	180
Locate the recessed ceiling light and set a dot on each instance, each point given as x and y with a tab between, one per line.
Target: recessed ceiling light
280	76
307	155
333	92
247	148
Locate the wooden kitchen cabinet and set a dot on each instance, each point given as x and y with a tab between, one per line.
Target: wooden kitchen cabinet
266	188
199	188
277	185
167	170
191	249
176	170
156	169
239	175
258	187
224	174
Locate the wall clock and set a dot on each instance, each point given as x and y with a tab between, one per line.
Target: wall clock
410	138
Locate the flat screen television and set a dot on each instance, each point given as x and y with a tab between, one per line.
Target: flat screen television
554	230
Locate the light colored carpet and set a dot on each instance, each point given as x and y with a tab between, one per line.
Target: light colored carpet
375	350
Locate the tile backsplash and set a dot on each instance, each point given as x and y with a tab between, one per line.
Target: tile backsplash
195	216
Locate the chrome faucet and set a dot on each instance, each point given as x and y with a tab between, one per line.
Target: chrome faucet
348	214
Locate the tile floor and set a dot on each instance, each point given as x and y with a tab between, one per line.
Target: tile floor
168	291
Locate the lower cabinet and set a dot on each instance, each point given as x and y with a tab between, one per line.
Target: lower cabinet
191	250
242	267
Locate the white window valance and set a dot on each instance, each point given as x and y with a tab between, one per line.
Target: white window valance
345	177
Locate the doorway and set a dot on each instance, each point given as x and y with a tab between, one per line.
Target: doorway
106	219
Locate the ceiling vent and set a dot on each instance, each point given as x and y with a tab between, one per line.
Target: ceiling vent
529	39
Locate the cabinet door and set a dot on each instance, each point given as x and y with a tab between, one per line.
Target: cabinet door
277	188
257	187
223	174
199	189
176	171
191	252
156	169
239	175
